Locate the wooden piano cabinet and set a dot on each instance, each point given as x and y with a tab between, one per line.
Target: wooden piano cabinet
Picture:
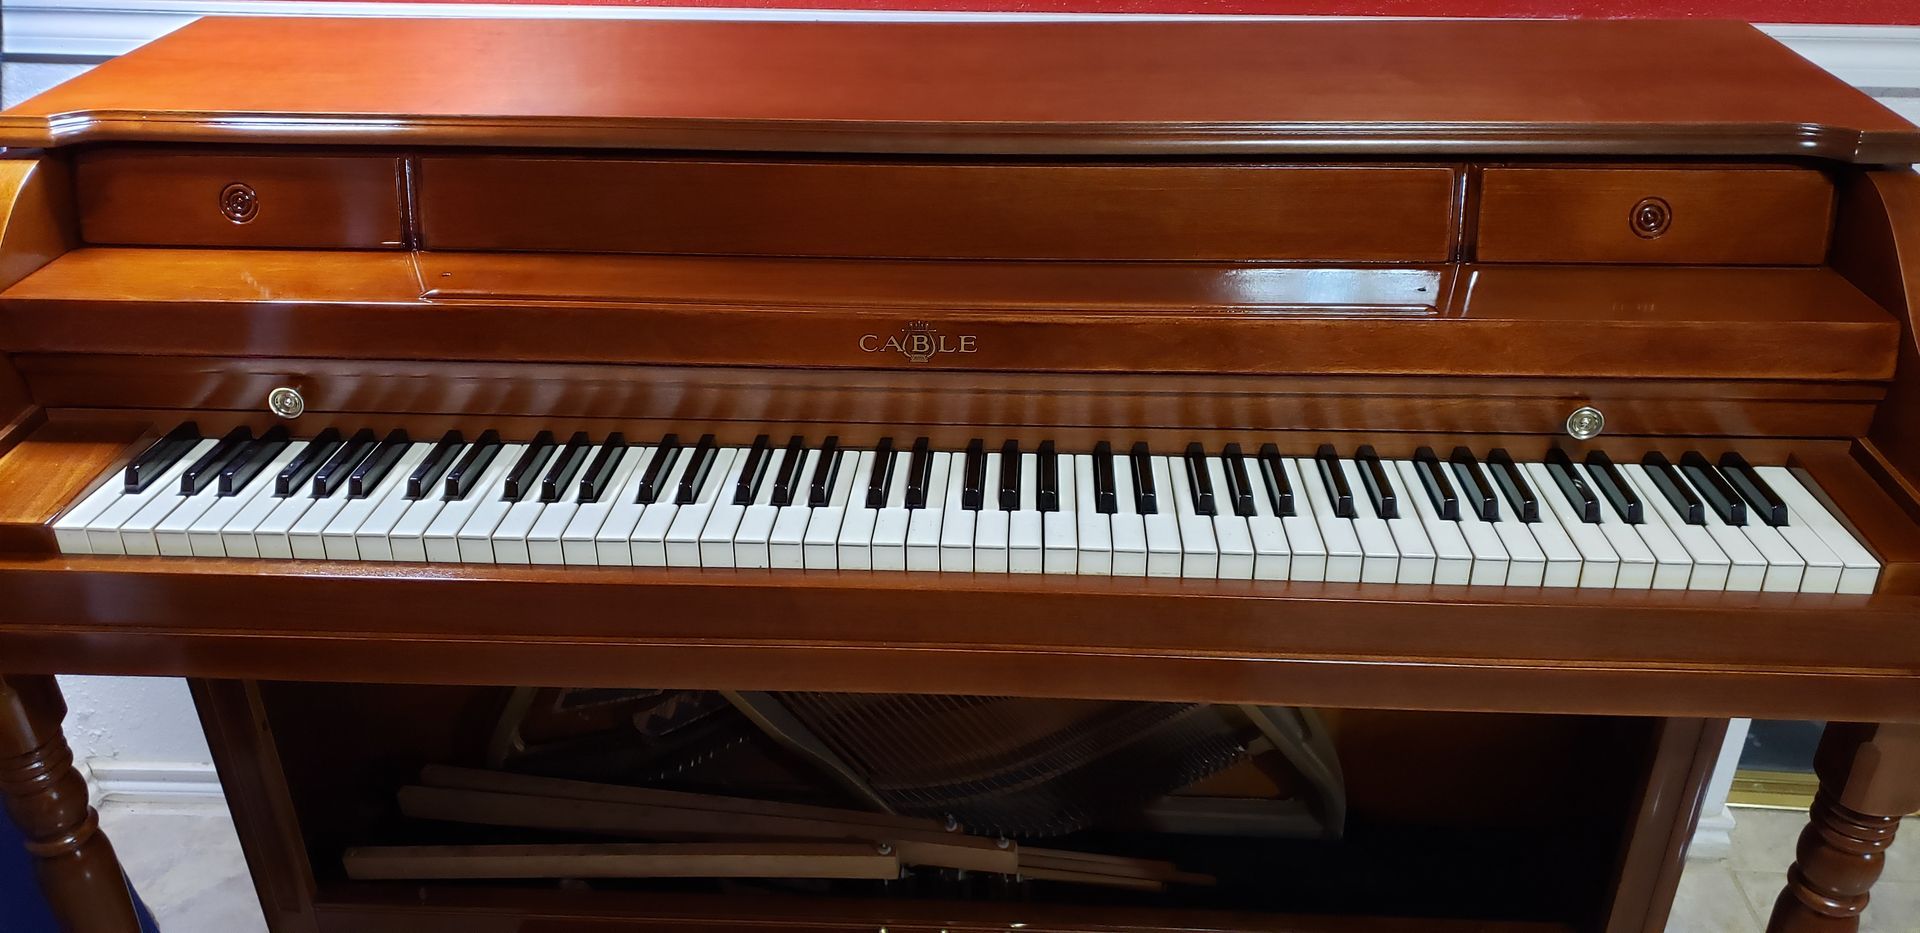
1609	804
47	799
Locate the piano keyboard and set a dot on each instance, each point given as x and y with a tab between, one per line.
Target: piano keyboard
1124	510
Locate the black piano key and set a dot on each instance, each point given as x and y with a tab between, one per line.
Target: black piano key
1047	497
1673	488
1612	484
1475	489
1106	498
564	467
825	471
205	470
1712	487
1145	497
788	479
1199	481
1514	484
919	473
1433	476
881	476
526	470
1274	475
439	460
1573	486
1335	479
1239	486
755	470
240	471
378	464
599	472
161	455
464	477
705	452
1010	476
653	480
1374	476
973	482
306	463
1760	496
346	459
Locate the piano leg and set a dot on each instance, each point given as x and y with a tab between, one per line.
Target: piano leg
1869	779
47	799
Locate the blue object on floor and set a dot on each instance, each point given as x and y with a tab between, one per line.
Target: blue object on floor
22	908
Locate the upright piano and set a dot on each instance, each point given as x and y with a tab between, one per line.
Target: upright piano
1489	409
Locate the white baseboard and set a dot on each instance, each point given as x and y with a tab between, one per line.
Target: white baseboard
110	781
1880	57
1712	837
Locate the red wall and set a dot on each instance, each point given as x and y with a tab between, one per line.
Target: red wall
1759	11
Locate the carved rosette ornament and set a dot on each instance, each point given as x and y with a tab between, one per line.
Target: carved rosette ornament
1651	217
239	203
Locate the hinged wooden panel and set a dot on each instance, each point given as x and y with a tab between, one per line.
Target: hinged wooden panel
1774	216
146	197
939	210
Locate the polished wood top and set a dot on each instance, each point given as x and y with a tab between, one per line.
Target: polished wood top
1370	87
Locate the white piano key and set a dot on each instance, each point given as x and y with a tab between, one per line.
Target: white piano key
544	538
1638	565
923	526
206	537
1199	553
1025	541
854	545
890	526
1599	565
1309	562
1419	561
1163	526
442	537
1267	531
683	536
476	537
1708	562
1823	565
1346	562
339	539
1060	528
237	536
786	542
1453	557
273	537
756	521
126	526
716	538
648	542
509	539
580	542
171	532
611	547
1232	534
306	534
374	537
1785	566
1672	562
957	523
1381	563
1092	532
70	529
990	524
821	546
1750	569
1127	525
1860	570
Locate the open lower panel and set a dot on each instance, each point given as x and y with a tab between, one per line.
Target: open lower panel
678	809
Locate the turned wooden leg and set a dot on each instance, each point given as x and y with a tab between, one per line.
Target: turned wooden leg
47	799
1869	779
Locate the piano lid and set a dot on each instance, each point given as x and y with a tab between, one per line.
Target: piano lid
1300	88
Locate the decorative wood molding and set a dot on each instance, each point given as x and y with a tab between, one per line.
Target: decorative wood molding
1877	57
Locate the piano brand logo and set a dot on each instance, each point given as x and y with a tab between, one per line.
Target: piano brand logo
919	342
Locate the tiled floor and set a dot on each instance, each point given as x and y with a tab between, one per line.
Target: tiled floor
186	862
